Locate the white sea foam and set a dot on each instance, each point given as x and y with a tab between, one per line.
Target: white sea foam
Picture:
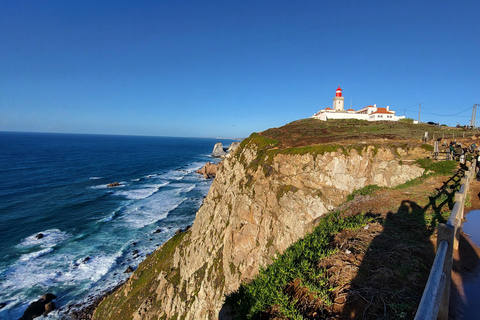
140	193
188	189
152	209
93	269
33	255
50	238
101	186
95	178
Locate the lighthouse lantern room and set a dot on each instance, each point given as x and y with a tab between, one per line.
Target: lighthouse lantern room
338	100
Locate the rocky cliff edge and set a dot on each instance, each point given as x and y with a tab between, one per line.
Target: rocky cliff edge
262	200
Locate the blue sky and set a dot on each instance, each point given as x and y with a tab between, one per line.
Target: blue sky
225	68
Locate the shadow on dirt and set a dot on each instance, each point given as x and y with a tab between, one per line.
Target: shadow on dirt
396	266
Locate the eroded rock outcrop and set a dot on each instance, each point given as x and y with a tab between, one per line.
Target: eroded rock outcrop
218	150
209	170
258	205
42	306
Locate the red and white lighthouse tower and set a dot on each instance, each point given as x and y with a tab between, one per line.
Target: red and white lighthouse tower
338	100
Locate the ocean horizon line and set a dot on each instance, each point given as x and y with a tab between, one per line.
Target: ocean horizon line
117	135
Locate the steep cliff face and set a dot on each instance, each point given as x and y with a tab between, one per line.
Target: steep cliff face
259	204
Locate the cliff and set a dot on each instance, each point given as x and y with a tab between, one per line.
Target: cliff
262	200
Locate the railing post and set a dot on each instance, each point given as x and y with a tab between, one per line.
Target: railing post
446	232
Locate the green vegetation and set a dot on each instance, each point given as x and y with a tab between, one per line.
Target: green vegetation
284	189
431	168
393	264
298	262
308	132
117	306
427	147
438	167
406	120
365	191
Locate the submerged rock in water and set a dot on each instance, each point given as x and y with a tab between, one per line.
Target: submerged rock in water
42	306
39	236
2	304
113	184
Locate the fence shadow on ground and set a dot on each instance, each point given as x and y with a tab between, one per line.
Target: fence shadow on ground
395	268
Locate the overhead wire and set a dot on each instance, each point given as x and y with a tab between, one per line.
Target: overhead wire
445	115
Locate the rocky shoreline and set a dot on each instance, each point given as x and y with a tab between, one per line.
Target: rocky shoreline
209	170
86	312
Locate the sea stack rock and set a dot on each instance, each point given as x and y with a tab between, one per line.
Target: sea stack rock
42	306
218	150
233	147
209	170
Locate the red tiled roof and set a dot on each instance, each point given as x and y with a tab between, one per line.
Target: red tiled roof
382	110
328	108
350	109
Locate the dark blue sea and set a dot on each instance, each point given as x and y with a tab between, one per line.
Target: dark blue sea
56	185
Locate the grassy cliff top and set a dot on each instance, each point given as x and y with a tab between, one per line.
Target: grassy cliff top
308	132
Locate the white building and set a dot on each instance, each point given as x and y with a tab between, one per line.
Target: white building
369	113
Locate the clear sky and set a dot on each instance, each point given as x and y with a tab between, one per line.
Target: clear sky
229	68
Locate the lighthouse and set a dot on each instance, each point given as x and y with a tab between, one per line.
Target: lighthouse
338	100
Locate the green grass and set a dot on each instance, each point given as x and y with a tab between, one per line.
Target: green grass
297	262
306	132
365	191
431	167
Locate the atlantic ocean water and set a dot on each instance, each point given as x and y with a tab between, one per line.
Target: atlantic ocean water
56	185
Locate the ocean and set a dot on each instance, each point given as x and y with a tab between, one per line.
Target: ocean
56	185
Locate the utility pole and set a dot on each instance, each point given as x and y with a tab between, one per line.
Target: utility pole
419	109
474	115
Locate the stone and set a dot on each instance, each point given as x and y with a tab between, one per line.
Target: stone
233	147
39	236
40	307
209	170
113	184
218	150
178	231
248	216
157	231
49	307
129	270
2	304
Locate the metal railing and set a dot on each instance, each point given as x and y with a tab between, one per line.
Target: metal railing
436	296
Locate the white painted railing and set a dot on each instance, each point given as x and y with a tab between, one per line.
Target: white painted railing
436	296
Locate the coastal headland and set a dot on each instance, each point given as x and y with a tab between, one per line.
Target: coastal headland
313	219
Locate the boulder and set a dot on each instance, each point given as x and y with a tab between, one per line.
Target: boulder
218	150
113	184
40	307
209	170
49	307
233	147
129	270
39	236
